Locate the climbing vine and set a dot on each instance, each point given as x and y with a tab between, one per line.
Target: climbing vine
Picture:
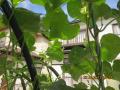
97	56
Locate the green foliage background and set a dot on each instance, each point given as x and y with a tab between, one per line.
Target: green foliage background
96	57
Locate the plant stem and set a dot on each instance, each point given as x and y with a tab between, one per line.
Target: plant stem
23	83
98	48
100	66
93	79
49	74
88	39
54	71
107	25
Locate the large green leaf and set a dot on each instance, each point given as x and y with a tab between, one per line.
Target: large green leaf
80	57
109	88
107	70
30	40
40	2
60	85
60	28
116	76
116	70
16	2
77	10
27	20
55	51
118	5
53	3
116	65
91	49
105	8
80	86
74	8
77	55
73	70
93	87
80	63
99	2
110	44
116	15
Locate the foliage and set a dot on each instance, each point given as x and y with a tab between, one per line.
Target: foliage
25	21
98	56
109	52
60	85
55	52
79	58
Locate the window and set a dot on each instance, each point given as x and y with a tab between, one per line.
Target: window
116	29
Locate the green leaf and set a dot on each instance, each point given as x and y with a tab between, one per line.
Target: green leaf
118	5
80	86
116	70
91	48
27	20
116	76
107	70
60	85
16	2
109	88
77	10
55	51
110	44
116	65
73	70
2	34
40	2
54	3
79	63
116	15
60	28
94	87
43	77
74	8
77	54
80	57
30	40
65	1
98	2
105	8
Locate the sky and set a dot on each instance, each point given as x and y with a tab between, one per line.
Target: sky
112	3
35	8
40	9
